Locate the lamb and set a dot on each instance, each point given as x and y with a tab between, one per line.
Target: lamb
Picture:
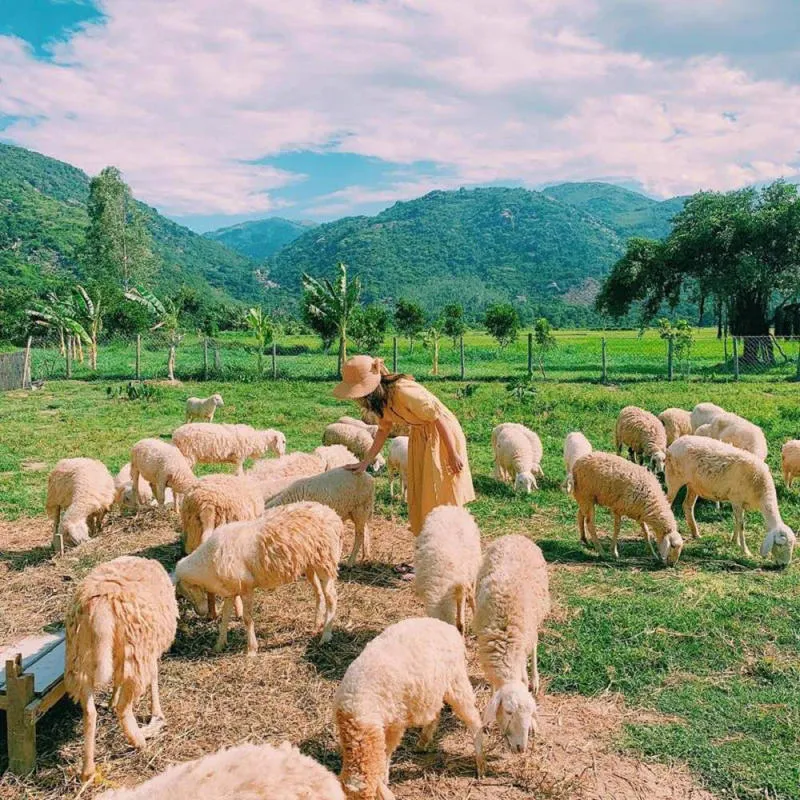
575	446
358	423
123	496
247	771
162	465
401	679
80	492
703	413
289	465
357	440
676	422
517	455
121	618
447	554
397	465
737	431
512	598
275	549
335	455
790	461
198	408
644	436
210	443
719	471
627	490
350	495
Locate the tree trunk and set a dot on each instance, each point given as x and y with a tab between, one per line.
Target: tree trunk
62	348
79	347
410	344
748	319
342	351
171	363
93	354
435	370
702	310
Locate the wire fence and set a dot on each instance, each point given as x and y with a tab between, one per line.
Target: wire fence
589	356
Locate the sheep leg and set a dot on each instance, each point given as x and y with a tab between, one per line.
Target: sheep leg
593	530
582	526
615	549
240	468
738	515
89	734
247	619
535	682
461	698
126	716
329	590
319	618
689	503
392	736
238	606
222	638
425	741
157	719
211	600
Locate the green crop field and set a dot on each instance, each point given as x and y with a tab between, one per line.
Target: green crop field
710	649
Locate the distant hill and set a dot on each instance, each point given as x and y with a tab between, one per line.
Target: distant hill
261	238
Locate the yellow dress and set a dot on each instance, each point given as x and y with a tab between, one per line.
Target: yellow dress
430	481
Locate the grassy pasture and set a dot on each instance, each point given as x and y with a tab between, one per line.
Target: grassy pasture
707	654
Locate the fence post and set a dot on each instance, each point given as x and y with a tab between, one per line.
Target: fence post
530	355
69	357
798	358
217	359
26	366
394	355
205	358
725	347
604	376
461	347
670	354
735	359
138	356
274	358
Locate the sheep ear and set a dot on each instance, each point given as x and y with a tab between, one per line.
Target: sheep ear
490	712
766	545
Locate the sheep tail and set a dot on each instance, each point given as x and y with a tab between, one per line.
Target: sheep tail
100	635
363	757
461	608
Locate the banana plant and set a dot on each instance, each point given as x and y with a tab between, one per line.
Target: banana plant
60	316
91	310
168	319
263	329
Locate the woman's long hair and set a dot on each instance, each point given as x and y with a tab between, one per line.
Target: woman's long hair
377	400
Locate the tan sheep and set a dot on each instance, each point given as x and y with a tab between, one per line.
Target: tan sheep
643	435
737	431
124	491
357	440
290	465
162	465
703	413
790	461
203	408
120	620
575	446
677	422
334	456
397	465
517	455
371	429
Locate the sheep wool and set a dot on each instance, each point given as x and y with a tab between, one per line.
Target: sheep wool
358	423
80	492
335	455
120	620
575	446
447	556
162	465
643	435
289	465
737	431
677	422
790	461
517	455
199	408
357	440
401	679
397	465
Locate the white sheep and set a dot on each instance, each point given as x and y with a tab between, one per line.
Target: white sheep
397	465
211	443
275	549
447	556
719	471
790	461
124	491
677	422
80	492
358	423
401	680
334	456
357	440
737	431
162	465
350	495
643	435
121	618
517	455
575	446
289	465
626	490
203	408
246	772
512	599
703	413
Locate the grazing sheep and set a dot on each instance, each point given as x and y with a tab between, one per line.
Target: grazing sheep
289	465
703	413
790	461
210	443
719	471
397	429
358	423
357	440
397	465
512	599
350	495
627	490
575	446
334	456
198	408
517	455
447	556
677	422
121	618
275	549
401	679
246	772
737	431
644	436
80	492
162	465
123	496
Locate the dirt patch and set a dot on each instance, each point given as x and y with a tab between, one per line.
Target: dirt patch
33	466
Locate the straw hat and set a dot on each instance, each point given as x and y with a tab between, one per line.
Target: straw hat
360	376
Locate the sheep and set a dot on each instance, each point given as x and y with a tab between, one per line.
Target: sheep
517	455
80	492
397	465
358	423
121	618
357	440
703	413
397	429
719	471
211	443
123	496
736	431
275	549
512	599
335	455
644	436
677	422
350	495
289	465
162	465
198	408
447	555
627	490
575	446
247	771
401	679
790	461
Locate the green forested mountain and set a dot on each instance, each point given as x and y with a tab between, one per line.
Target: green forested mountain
260	238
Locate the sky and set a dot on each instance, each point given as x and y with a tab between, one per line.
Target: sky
315	109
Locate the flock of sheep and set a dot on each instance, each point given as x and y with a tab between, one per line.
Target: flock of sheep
282	520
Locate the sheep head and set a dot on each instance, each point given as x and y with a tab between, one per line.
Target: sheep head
670	547
525	482
513	708
657	461
378	464
780	541
217	400
74	531
272	441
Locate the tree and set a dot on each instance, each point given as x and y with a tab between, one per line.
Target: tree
263	329
332	304
409	319
431	338
369	327
168	319
544	339
453	324
91	310
502	322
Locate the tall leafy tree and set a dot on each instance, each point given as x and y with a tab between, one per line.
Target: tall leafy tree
410	320
544	339
502	322
168	320
369	327
453	323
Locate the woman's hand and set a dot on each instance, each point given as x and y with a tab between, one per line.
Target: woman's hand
359	468
456	463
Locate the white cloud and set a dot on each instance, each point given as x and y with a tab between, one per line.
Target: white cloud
185	96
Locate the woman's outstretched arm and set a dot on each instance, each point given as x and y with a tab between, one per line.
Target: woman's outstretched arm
377	446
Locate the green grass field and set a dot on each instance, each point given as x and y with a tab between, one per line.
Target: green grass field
712	645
